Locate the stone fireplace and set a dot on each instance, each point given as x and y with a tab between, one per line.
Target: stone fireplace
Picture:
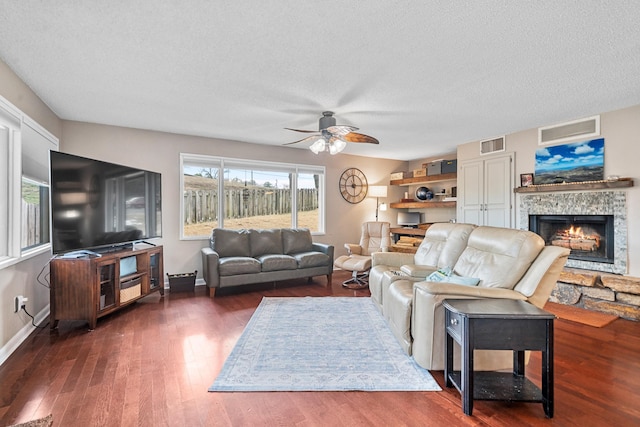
596	212
594	274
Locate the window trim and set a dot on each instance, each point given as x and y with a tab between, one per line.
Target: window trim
16	120
222	163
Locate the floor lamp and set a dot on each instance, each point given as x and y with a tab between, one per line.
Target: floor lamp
378	191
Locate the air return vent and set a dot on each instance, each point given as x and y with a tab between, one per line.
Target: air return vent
582	128
492	145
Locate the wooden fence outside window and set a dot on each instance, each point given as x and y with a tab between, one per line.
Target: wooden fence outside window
202	205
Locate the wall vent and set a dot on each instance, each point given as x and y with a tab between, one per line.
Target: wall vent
582	128
492	145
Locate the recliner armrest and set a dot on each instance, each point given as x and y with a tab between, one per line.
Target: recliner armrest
427	321
353	249
452	290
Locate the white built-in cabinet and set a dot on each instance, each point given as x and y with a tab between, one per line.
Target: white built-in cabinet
485	191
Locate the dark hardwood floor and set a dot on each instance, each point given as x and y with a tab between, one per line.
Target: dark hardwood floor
151	364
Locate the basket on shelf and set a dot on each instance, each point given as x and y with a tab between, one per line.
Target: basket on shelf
130	289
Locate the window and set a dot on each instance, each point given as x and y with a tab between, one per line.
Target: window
308	200
200	190
233	193
35	213
24	188
34	218
9	159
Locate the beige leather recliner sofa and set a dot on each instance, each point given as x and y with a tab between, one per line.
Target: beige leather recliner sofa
509	263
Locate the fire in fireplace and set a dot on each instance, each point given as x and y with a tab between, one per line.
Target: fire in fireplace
589	237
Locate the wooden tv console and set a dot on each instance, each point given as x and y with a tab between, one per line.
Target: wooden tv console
92	287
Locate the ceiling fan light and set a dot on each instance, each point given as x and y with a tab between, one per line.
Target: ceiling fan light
336	146
318	146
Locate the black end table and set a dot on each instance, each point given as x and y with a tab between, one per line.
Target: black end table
497	324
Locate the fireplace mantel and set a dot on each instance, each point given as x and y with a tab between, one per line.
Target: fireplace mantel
576	186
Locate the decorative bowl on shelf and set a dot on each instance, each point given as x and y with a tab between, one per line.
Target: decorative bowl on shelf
423	193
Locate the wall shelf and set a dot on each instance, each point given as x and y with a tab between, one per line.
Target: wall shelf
424	179
576	186
423	205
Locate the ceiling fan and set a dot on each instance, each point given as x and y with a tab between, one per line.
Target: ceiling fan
331	137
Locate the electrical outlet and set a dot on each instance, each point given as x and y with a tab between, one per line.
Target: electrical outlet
19	303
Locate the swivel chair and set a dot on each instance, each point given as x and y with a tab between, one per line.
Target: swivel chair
375	237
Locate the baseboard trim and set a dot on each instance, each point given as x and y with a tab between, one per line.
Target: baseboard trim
199	282
15	341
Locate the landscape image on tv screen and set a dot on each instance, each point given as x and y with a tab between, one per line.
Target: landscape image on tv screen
575	162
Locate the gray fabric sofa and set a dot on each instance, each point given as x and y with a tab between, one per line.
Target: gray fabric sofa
242	257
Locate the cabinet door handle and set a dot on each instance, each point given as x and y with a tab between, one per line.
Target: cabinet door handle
454	322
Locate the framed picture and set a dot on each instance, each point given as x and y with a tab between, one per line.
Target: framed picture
526	179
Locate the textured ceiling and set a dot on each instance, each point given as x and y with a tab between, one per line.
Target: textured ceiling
421	76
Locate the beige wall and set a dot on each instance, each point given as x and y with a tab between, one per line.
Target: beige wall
20	279
621	131
21	95
160	152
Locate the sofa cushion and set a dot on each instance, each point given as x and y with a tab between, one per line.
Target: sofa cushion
311	259
265	242
230	266
230	242
499	257
277	262
296	240
442	244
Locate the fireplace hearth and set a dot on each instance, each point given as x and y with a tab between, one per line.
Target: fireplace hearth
589	237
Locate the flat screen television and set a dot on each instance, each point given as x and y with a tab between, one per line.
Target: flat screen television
408	219
101	206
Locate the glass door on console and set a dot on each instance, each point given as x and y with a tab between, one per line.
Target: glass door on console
156	279
107	285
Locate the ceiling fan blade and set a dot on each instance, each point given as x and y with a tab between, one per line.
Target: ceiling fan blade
340	130
303	130
308	138
359	137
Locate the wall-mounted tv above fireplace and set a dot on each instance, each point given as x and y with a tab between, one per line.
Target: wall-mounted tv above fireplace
100	206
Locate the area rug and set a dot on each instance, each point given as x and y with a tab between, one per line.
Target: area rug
320	344
580	315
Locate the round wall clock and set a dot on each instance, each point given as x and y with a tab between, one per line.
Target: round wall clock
353	185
